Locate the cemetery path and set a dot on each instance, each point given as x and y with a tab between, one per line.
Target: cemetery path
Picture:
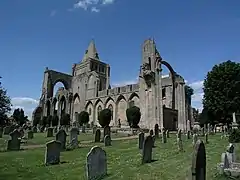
82	142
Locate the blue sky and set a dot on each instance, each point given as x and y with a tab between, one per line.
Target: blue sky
191	35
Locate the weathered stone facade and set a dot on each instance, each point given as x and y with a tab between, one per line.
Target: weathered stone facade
161	100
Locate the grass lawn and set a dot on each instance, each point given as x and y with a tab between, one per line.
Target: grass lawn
40	138
124	162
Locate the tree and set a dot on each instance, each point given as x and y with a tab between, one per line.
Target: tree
55	120
83	117
133	116
19	116
5	105
222	91
105	117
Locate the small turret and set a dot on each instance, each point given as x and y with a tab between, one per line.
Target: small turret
91	52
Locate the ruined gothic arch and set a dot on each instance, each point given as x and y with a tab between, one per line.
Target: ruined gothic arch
54	105
173	74
99	106
121	107
89	108
133	100
110	104
76	106
62	105
48	108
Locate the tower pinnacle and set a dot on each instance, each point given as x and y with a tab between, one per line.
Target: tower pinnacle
91	52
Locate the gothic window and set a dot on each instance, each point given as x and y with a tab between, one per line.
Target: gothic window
99	109
111	109
163	92
90	111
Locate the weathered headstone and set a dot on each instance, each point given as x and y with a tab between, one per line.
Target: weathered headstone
14	143
52	152
97	135
74	137
231	153
151	132
199	161
147	150
55	129
50	132
106	131
96	164
156	130
6	130
140	140
30	134
164	136
107	140
62	136
1	132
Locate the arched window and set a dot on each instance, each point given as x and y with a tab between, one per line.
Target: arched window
99	109
111	109
90	111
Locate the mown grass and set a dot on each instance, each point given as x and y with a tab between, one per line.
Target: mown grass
123	159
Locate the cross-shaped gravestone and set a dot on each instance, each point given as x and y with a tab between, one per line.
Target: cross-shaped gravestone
147	150
62	136
14	143
199	161
52	153
97	135
140	140
96	163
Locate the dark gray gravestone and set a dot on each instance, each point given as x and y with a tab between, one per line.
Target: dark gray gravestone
156	130
147	150
62	136
52	153
74	137
14	143
164	136
50	132
151	132
107	140
106	131
96	164
140	140
199	161
97	135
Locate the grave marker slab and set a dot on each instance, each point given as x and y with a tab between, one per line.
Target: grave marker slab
140	140
97	135
74	137
147	150
50	132
52	152
14	143
107	140
62	136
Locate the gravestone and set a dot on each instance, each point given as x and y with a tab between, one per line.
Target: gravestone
1	132
164	136
30	134
147	150
156	130
140	140
74	137
107	140
6	130
106	131
62	136
50	132
14	143
97	135
151	132
52	152
199	161
231	153
96	163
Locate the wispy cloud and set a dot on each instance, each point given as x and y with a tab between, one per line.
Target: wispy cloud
198	94
92	5
53	13
26	103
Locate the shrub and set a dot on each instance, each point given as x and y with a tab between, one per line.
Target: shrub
234	136
133	116
105	117
55	120
83	117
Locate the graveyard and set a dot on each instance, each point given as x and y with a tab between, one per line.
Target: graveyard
123	158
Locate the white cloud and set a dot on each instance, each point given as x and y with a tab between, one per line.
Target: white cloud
26	103
53	13
94	9
198	94
124	83
92	5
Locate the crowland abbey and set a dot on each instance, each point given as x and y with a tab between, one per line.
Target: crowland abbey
162	100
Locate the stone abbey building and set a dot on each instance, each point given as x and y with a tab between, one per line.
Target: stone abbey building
162	100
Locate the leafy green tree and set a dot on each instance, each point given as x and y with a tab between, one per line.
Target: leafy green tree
83	118
133	116
19	116
5	105
55	120
222	91
105	117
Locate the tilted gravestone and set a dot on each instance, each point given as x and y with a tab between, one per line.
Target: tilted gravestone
30	134
50	132
147	150
96	163
107	140
52	152
14	143
140	140
97	135
62	136
74	137
199	161
156	130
